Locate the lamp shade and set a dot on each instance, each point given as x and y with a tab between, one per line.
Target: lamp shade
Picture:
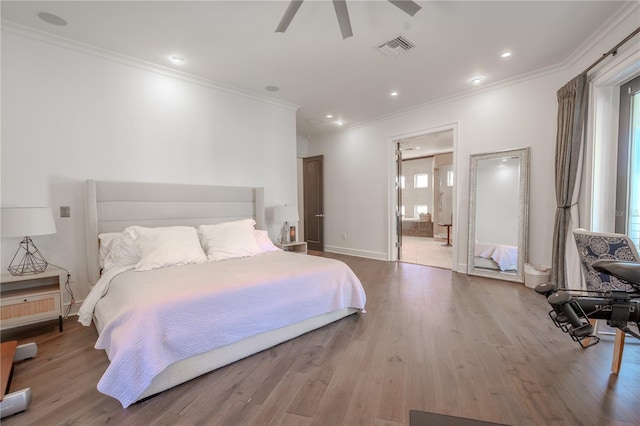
285	214
27	221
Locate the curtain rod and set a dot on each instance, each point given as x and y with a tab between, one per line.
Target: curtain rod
613	51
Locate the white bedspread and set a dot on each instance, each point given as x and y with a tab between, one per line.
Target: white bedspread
154	318
505	256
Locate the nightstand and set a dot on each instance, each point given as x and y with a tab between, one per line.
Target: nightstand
294	246
28	299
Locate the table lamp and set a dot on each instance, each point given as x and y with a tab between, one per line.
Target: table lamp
26	222
285	214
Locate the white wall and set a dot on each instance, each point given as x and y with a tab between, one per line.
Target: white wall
358	174
69	116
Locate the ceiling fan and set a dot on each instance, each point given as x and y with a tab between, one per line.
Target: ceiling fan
408	6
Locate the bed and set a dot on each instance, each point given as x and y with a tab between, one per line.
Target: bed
164	325
496	256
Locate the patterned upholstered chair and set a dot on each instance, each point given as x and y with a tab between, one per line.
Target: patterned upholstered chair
593	246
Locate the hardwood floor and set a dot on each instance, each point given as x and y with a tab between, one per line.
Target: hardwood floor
431	340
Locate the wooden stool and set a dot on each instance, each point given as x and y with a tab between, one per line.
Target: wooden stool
18	401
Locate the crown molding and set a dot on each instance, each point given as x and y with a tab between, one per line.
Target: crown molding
88	49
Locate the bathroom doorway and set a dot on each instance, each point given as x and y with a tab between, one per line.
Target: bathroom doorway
425	199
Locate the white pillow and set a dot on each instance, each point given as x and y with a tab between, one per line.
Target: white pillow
119	249
107	242
229	240
264	242
166	246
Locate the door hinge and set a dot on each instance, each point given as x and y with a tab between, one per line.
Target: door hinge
398	244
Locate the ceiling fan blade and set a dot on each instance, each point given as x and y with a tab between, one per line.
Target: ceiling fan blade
407	6
291	11
343	18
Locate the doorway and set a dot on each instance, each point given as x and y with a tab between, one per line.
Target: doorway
425	179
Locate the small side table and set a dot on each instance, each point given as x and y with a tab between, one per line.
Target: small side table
28	299
294	246
448	225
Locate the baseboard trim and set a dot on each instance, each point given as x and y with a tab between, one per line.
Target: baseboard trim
358	253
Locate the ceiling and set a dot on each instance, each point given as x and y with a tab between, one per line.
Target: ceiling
234	43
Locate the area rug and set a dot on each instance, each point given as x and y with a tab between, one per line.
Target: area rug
422	418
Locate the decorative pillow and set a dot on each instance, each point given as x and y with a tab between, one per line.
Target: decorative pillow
165	246
120	250
264	242
229	240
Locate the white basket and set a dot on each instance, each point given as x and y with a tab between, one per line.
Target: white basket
536	274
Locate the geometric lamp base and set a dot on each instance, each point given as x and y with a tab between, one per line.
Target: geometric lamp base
30	260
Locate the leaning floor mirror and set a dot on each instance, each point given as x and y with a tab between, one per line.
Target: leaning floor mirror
498	214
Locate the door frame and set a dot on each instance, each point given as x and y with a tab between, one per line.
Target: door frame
392	202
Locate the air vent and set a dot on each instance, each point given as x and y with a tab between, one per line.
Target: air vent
396	47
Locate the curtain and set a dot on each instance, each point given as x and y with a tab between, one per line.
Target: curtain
572	109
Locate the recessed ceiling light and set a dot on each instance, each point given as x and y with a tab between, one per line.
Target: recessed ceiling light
52	19
176	59
329	116
477	80
394	93
339	122
505	54
272	88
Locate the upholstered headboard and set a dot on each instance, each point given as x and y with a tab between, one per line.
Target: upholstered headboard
112	206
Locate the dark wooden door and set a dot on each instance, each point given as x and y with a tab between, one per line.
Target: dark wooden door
312	176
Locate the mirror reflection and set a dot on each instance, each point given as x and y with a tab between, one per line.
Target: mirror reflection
498	214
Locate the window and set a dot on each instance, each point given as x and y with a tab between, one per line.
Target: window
421	209
627	211
421	180
450	178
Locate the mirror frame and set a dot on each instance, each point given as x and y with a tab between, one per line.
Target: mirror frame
523	210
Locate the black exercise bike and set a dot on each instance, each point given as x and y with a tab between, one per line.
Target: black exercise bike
572	309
